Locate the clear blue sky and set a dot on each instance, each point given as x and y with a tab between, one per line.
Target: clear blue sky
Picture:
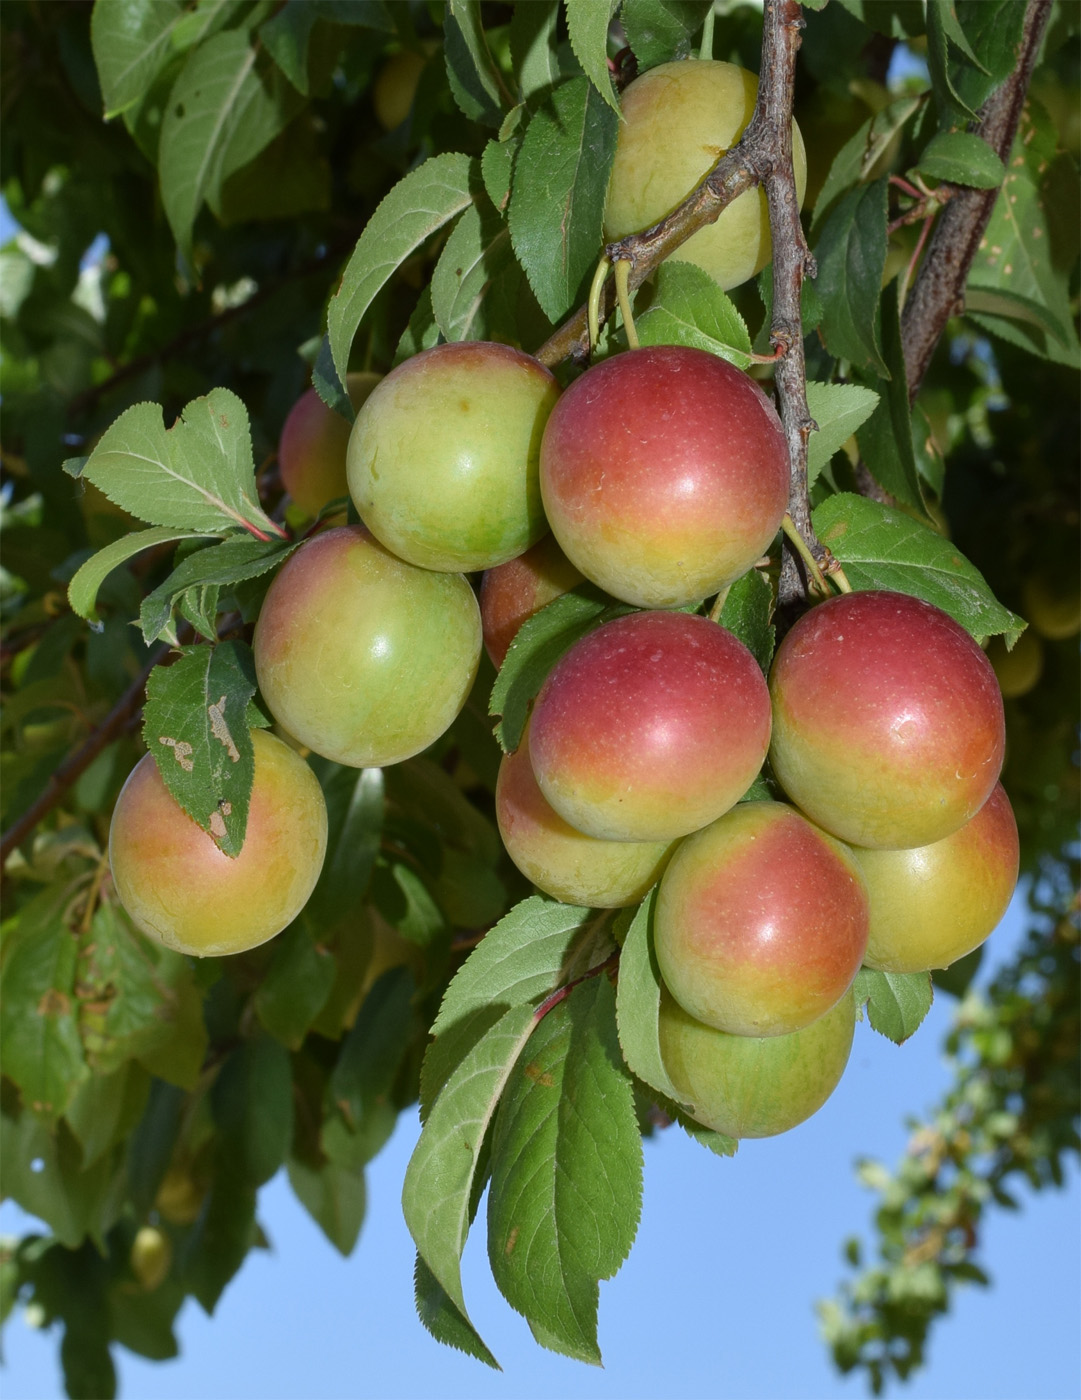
716	1299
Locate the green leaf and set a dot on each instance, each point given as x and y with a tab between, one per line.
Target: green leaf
252	1101
587	30
40	1045
994	29
335	1198
106	1108
661	30
43	1173
496	165
355	812
566	1187
221	1237
371	1054
557	197
131	41
472	267
179	1059
221	112
198	476
851	253
221	565
963	158
747	611
896	1002
862	151
419	204
471	70
439	1178
296	985
838	409
943	26
882	547
689	308
540	642
638	1002
195	724
532	45
886	438
440	1315
83	588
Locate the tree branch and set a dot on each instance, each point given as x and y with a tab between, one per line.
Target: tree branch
938	292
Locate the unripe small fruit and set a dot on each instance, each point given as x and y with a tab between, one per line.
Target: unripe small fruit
755	1086
313	443
761	921
649	727
1053	609
363	658
933	904
888	727
395	87
1020	668
561	861
678	120
151	1257
664	473
443	457
180	888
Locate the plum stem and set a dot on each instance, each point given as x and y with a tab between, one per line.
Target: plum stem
593	307
801	547
623	269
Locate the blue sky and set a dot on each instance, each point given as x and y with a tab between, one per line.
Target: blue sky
716	1299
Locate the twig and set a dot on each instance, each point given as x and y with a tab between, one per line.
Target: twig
938	292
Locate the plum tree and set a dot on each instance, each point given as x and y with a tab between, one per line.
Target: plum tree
888	727
930	905
443	456
184	892
749	1086
678	119
313	444
561	860
761	921
649	727
512	592
664	474
360	656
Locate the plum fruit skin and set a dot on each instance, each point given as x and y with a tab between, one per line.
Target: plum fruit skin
564	862
678	120
443	456
755	1086
361	657
513	592
930	905
761	921
888	726
313	444
182	890
650	727
664	474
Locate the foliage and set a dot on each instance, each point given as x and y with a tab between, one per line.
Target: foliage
211	215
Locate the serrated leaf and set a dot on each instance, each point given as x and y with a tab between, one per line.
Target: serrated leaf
131	43
558	192
587	30
444	1320
747	612
40	1045
471	71
566	1187
222	111
221	565
994	29
882	547
860	153
355	810
532	45
496	165
638	1002
851	254
334	1196
195	725
476	256
659	31
83	588
838	409
963	158
689	308
886	438
418	205
942	27
197	476
537	646
896	1002
439	1178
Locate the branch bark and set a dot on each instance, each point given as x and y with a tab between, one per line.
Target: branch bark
938	292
